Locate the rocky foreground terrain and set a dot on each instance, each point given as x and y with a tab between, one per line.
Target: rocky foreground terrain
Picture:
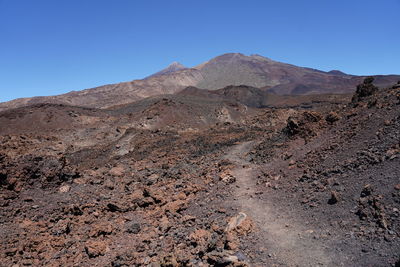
204	178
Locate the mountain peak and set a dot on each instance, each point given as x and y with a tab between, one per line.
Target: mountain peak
238	57
176	65
173	67
229	56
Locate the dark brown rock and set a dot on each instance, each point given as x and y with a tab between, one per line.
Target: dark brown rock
334	198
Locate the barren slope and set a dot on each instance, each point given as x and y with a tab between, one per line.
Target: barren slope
219	72
129	186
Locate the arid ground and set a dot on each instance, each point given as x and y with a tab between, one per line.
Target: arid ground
210	178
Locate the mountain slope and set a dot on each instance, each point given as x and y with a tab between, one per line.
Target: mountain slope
173	67
187	180
219	72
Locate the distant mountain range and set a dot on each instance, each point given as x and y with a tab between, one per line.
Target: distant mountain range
225	70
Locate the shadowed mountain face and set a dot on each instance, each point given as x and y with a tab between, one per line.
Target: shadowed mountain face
219	72
247	95
257	98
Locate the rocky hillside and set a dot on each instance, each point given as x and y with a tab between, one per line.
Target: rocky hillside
229	69
197	179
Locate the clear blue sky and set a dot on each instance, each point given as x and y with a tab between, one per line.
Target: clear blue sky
50	47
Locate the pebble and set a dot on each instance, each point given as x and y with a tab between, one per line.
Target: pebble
64	189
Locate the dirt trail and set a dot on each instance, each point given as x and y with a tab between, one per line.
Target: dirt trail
288	243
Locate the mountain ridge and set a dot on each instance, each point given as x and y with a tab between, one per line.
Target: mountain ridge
221	71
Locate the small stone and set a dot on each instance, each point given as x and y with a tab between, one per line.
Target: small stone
227	178
133	227
75	210
397	187
79	181
153	178
101	229
332	117
28	199
224	258
240	256
240	225
109	184
334	198
10	252
95	248
117	171
112	207
60	228
388	238
64	189
287	155
234	222
367	190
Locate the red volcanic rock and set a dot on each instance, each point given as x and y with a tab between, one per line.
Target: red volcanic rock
203	178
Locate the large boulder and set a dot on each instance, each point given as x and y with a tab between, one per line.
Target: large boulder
367	88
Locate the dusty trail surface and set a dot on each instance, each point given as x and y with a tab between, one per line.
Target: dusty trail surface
289	242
